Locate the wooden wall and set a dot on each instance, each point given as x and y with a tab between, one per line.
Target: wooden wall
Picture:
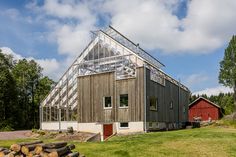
92	89
203	109
166	94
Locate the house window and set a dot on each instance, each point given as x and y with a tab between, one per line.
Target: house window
171	105
124	100
107	102
153	103
124	125
150	125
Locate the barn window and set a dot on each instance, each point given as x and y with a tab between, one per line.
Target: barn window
107	102
153	103
124	100
171	105
124	125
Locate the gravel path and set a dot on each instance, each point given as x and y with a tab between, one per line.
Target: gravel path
11	135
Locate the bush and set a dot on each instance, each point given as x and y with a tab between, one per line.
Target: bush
6	128
70	130
41	132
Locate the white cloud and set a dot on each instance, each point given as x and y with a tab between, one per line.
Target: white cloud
195	79
8	51
214	91
208	25
71	40
72	35
12	13
51	67
69	9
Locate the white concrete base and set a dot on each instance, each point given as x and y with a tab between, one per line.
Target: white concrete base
133	127
55	125
98	128
94	127
90	127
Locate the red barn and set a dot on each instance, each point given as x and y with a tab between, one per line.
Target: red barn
204	110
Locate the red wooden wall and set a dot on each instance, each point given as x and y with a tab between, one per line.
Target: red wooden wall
203	109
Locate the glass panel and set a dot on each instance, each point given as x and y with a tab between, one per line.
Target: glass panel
153	103
124	125
124	100
107	102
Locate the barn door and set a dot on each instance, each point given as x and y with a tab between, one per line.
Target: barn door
107	130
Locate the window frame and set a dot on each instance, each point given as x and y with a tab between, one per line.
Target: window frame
120	127
150	125
120	101
156	103
104	107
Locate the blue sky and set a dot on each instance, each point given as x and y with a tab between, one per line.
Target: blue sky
189	37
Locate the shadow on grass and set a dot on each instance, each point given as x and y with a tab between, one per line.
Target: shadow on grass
121	153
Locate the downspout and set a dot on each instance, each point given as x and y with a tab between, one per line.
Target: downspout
178	100
145	101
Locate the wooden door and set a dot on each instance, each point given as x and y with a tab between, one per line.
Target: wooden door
107	130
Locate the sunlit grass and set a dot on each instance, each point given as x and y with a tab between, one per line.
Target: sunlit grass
209	141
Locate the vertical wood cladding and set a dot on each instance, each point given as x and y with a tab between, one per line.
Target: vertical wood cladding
204	109
92	89
170	93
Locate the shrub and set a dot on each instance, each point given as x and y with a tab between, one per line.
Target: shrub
4	126
70	130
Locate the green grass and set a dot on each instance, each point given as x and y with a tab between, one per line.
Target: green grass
209	141
225	122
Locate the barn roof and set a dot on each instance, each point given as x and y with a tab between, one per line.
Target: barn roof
202	98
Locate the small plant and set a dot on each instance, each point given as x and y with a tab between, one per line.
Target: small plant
41	132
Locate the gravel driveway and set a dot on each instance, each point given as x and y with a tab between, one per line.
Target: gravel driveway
11	135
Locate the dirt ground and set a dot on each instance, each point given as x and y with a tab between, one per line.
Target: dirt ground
11	135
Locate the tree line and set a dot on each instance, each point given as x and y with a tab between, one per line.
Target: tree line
22	87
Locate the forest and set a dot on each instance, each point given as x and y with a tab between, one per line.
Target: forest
22	87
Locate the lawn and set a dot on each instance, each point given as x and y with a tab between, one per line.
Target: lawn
209	141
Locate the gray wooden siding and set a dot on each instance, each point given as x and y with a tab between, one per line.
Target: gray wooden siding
92	89
166	94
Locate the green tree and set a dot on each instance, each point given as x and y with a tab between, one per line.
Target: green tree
227	103
32	88
227	75
27	75
8	94
22	87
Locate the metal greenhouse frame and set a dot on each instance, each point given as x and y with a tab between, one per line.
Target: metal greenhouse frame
108	51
